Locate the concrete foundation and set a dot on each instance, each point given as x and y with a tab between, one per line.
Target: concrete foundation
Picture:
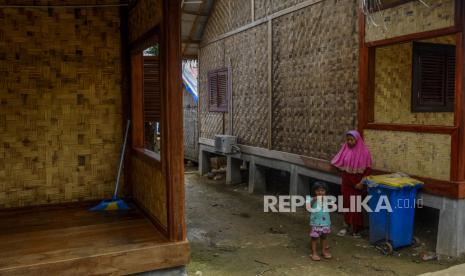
257	181
204	161
451	228
233	170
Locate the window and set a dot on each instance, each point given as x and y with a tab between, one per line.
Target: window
218	90
146	102
433	77
152	99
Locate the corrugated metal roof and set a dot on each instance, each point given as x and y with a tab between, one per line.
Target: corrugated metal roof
194	19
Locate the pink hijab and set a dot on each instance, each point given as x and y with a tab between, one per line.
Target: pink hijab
353	160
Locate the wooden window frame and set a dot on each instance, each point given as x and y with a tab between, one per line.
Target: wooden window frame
171	163
215	107
137	110
418	49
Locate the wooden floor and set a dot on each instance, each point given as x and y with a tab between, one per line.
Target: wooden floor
70	240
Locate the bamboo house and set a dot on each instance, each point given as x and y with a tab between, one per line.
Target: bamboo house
71	74
289	78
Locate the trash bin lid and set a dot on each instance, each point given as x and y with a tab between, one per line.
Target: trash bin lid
393	180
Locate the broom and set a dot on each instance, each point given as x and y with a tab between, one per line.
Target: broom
115	203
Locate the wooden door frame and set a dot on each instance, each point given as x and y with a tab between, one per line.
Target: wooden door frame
171	163
172	154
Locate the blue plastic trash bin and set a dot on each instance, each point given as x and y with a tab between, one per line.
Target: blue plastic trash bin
392	230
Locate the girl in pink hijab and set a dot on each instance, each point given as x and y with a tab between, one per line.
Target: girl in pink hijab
354	160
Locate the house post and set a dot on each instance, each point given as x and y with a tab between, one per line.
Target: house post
172	118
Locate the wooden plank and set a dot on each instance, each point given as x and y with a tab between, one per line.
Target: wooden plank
172	121
363	74
461	190
309	162
449	189
126	94
412	128
459	16
28	247
116	263
54	206
70	240
137	104
414	36
252	10
39	218
148	156
230	101
460	97
270	84
458	139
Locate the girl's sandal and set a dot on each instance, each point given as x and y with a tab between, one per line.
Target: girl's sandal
327	255
315	257
342	232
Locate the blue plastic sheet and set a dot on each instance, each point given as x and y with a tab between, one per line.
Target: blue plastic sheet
190	74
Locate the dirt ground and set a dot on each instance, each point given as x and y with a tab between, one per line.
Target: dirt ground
230	234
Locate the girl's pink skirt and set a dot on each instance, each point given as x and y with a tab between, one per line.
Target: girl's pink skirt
318	231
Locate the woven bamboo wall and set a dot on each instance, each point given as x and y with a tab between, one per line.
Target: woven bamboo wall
217	21
191	132
60	104
266	7
210	57
240	13
147	189
393	87
315	84
246	54
143	17
422	154
410	18
262	8
226	16
277	5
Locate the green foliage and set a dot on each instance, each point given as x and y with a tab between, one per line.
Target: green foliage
152	51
